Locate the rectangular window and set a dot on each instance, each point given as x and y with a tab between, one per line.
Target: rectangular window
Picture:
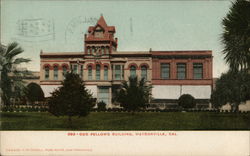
46	73
55	73
144	72
105	73
198	70
98	68
117	72
181	71
103	94
165	70
89	73
64	68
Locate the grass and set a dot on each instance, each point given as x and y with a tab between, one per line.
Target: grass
127	121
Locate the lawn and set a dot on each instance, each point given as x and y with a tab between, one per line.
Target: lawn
128	121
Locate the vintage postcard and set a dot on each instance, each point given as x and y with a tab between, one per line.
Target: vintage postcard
103	77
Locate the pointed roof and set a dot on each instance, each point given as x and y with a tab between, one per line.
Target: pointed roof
101	22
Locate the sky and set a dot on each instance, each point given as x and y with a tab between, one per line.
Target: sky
60	25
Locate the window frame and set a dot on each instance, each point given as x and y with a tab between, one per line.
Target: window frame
98	72
167	68
198	66
46	72
132	72
180	72
144	69
55	72
90	73
105	72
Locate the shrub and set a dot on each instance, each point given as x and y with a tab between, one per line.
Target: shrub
186	101
101	106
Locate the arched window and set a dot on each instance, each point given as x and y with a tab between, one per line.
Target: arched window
93	50
55	72
64	70
89	73
46	70
144	72
133	71
97	72
88	50
102	51
105	73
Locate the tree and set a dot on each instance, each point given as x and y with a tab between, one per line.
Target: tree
101	106
11	77
236	36
134	94
34	93
71	99
232	88
186	101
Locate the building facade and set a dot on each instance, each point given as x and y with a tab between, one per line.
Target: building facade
103	68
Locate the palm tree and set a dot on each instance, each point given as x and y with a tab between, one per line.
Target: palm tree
134	94
236	36
10	77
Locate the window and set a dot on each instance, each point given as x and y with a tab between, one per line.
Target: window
181	71
103	94
144	72
46	72
88	50
102	52
105	73
165	70
89	73
64	68
197	70
93	50
117	72
55	72
97	72
133	71
81	71
75	68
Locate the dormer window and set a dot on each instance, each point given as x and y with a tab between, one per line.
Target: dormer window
98	32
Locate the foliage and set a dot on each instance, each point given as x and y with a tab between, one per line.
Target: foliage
233	88
71	99
34	92
110	121
101	106
236	35
11	82
24	108
134	94
186	101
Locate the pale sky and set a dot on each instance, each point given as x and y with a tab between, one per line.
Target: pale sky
59	26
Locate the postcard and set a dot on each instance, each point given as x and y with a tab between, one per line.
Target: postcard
165	77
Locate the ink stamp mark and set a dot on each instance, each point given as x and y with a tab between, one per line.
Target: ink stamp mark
76	26
35	30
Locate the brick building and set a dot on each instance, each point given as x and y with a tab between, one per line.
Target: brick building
103	68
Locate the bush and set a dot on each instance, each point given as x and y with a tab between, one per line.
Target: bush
101	106
187	101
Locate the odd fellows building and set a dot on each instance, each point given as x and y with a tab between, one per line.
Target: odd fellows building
103	68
